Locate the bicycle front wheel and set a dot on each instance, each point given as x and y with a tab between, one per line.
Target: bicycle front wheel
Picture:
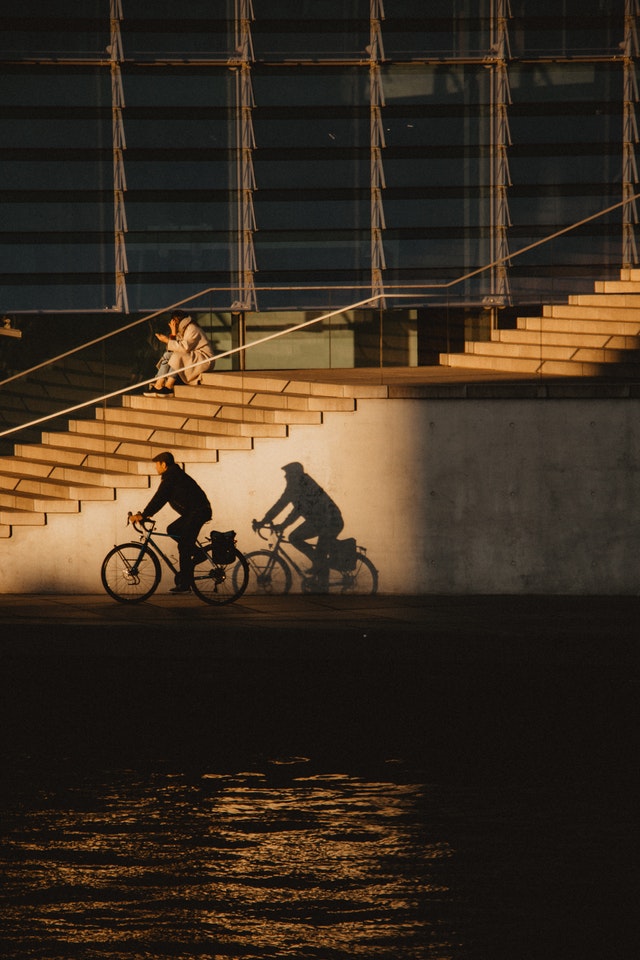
130	573
268	574
219	583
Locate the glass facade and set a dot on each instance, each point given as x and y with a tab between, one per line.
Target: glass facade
291	155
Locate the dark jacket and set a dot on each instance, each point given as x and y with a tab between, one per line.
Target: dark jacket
181	492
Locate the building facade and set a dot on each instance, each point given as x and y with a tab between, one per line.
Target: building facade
302	155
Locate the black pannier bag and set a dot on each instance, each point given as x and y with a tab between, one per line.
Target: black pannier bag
343	554
223	546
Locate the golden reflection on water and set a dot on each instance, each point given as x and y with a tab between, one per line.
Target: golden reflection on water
250	865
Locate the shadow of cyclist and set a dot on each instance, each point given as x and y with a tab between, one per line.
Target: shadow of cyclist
321	517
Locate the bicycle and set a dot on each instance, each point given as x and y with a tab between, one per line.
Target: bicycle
271	571
131	572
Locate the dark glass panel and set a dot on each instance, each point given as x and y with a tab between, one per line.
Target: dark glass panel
565	27
37	28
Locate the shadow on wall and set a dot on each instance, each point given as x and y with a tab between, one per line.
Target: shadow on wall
337	566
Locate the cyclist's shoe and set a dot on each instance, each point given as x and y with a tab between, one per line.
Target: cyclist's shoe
180	588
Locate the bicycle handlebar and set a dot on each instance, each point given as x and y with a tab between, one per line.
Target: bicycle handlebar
272	528
142	526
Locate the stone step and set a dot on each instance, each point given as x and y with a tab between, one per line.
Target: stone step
44	469
248	415
5	531
179	439
335	389
62	489
617	286
569	312
211	394
562	338
629	301
39	451
240	428
45	504
22	518
77	441
290	383
174	431
260	383
196	416
24	466
9	481
144	419
108	429
97	476
291	401
471	361
630	273
612	371
610	327
582	367
176	406
138	458
547	352
482	349
172	406
278	415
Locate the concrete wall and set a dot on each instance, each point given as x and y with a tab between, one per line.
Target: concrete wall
448	496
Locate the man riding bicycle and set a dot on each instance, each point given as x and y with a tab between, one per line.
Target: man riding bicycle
183	494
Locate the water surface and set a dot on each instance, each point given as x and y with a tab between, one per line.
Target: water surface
326	811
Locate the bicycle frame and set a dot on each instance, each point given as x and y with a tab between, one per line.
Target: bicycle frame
147	542
334	578
278	550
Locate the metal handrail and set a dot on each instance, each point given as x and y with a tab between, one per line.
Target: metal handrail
219	356
353	306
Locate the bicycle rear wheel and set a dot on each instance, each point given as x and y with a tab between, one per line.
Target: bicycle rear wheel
130	573
362	579
220	583
268	574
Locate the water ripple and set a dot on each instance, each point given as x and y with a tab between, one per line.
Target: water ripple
241	865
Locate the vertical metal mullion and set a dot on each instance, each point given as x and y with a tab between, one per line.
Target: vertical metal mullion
119	146
244	146
629	136
500	140
376	145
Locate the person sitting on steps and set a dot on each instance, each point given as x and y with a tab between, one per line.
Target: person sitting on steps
187	344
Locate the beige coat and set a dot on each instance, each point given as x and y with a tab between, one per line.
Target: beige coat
190	346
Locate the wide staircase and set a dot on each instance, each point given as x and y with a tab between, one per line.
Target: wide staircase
110	448
92	459
592	335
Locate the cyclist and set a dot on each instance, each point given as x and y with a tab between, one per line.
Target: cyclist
321	516
183	494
